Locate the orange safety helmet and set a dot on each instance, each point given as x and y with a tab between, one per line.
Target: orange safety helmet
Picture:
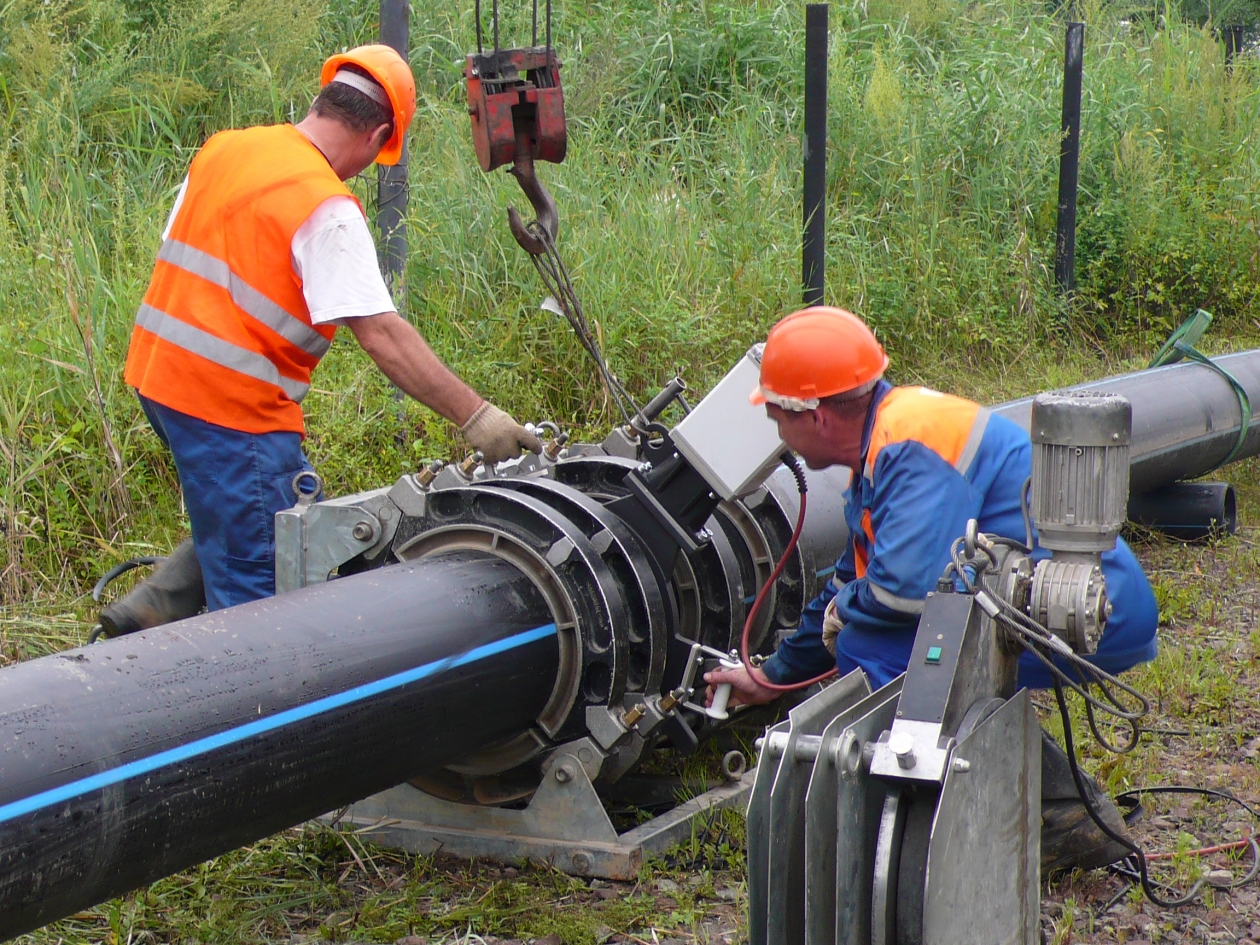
393	74
815	353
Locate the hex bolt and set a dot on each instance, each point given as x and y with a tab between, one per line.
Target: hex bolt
633	716
901	744
363	531
564	774
962	765
582	862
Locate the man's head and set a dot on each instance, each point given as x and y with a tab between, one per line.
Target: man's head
365	105
819	369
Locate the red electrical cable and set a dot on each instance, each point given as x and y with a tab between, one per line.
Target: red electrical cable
761	596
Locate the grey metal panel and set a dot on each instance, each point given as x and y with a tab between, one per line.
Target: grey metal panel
757	838
984	861
785	917
828	790
859	802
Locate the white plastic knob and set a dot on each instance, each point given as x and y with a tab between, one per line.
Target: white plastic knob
721	695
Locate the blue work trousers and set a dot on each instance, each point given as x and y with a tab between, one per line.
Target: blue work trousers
234	484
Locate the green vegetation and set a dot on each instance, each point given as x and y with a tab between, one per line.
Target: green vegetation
679	213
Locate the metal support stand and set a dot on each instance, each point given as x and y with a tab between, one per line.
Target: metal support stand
564	824
940	847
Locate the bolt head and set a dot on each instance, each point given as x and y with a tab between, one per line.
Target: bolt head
362	531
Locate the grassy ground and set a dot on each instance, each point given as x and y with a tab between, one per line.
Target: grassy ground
679	216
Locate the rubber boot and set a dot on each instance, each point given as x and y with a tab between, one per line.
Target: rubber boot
172	592
1069	837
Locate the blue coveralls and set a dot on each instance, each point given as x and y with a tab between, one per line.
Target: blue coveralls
234	484
931	462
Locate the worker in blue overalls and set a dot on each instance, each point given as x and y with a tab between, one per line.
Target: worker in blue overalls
923	463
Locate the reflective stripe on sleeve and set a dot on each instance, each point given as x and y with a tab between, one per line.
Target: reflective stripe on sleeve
972	446
904	605
247	298
220	352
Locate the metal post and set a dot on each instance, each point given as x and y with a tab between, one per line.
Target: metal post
1069	158
1233	43
391	182
814	235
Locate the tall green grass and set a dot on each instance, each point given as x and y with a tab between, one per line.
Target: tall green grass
679	213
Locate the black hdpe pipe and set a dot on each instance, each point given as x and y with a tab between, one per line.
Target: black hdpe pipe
134	758
1186	417
129	760
1189	511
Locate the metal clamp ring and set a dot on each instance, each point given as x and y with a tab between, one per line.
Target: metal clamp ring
734	764
305	497
848	754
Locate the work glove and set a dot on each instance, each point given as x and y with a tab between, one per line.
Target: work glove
832	625
497	435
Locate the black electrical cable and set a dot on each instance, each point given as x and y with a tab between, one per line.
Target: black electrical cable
1044	646
1134	850
120	569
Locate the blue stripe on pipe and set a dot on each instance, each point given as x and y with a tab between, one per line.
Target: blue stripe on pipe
229	736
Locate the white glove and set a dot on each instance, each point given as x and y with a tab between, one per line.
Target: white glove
497	435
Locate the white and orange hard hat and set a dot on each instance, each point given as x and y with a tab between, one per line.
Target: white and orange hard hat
393	74
816	353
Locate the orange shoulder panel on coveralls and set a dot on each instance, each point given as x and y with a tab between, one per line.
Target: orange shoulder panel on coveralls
943	423
224	333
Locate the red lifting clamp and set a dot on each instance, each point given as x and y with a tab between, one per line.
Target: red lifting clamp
517	110
515	93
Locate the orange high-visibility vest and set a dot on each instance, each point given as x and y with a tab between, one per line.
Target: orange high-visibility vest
224	333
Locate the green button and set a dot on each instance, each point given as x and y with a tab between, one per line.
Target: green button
934	654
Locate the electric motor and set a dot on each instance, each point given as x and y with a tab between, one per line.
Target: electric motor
1080	469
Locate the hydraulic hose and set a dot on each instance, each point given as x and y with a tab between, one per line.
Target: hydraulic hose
802	487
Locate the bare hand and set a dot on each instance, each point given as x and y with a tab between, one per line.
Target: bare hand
746	688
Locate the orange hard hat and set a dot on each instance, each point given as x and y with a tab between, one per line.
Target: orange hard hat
393	74
815	353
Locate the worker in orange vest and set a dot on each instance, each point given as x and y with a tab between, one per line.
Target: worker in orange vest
265	254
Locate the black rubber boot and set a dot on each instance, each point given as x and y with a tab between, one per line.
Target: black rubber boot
172	592
1069	837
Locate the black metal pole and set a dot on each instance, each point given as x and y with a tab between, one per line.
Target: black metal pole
1069	158
391	182
814	234
1233	43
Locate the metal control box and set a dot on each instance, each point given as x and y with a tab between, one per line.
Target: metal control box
733	444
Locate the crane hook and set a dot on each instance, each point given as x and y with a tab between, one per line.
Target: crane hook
544	207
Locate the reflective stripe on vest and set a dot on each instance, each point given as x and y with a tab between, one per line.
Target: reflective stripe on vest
250	300
223	353
225	334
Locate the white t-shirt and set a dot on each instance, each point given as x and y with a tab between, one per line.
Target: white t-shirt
334	256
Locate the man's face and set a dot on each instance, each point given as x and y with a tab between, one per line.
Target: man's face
820	437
